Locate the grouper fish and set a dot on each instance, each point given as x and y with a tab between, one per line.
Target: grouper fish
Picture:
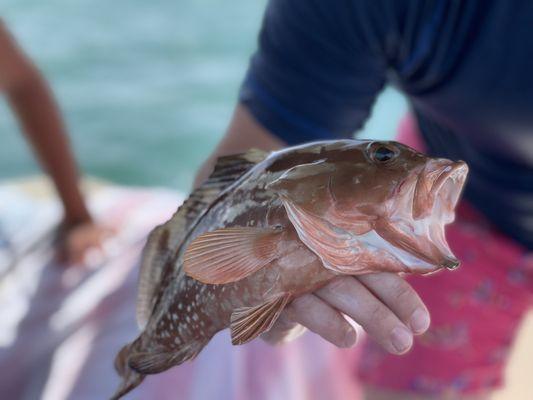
268	227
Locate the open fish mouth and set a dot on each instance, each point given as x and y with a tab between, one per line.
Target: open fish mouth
448	186
438	188
436	194
430	207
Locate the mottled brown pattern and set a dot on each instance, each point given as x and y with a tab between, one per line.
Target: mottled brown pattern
163	240
341	207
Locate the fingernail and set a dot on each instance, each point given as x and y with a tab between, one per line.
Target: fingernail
401	339
349	338
419	321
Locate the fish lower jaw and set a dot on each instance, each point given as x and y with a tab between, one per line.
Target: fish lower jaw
414	263
408	261
430	263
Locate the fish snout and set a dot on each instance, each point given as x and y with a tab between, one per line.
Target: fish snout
450	263
440	178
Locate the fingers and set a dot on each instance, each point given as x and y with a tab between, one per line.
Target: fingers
84	244
352	298
384	304
400	297
283	330
319	317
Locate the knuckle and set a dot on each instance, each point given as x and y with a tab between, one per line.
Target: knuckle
334	332
376	311
290	312
402	292
339	284
301	303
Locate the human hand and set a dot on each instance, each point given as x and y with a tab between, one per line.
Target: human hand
82	242
384	304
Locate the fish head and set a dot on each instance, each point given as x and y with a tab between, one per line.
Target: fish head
407	197
380	204
369	177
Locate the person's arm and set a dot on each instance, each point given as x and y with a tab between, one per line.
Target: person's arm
243	133
33	103
384	304
316	73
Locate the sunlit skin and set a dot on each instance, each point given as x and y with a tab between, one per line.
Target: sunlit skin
384	304
289	226
33	103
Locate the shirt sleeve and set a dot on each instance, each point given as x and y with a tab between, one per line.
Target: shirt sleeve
317	70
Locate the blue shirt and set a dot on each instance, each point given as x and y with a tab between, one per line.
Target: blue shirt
465	66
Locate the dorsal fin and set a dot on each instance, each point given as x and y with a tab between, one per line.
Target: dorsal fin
165	240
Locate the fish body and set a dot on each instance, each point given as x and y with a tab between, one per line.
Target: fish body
266	228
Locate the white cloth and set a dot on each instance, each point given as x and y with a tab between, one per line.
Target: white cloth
62	327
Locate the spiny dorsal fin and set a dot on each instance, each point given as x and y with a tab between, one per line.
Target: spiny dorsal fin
165	240
249	322
238	163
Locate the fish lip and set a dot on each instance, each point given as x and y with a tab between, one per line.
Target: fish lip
455	171
443	259
425	196
437	191
431	255
451	263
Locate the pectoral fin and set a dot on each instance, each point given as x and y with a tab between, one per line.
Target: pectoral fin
165	240
249	322
230	254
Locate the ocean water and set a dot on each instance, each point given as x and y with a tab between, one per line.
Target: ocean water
146	88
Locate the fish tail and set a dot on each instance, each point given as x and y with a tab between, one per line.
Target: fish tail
133	364
130	378
156	360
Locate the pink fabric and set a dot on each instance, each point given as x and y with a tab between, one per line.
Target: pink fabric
475	311
61	328
308	368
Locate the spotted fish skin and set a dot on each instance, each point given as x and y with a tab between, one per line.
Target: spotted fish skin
266	228
191	311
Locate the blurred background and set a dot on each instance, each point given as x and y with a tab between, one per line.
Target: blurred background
147	88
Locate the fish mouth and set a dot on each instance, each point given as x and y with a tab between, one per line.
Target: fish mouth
439	186
422	246
437	193
419	229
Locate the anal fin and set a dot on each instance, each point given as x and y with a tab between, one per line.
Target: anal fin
249	322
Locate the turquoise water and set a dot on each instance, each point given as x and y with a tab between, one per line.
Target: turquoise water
147	88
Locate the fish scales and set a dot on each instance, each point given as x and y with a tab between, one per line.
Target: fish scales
266	228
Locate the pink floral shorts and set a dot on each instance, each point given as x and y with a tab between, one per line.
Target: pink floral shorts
475	311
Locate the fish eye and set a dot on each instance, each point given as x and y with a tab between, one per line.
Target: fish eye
381	152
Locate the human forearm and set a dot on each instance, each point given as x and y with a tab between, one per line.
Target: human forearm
39	116
384	304
243	133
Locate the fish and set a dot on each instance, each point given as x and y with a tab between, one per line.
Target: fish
266	228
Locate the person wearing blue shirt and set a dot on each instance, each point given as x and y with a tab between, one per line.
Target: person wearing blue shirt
466	68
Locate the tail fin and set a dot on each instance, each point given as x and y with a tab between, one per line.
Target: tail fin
130	378
133	364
